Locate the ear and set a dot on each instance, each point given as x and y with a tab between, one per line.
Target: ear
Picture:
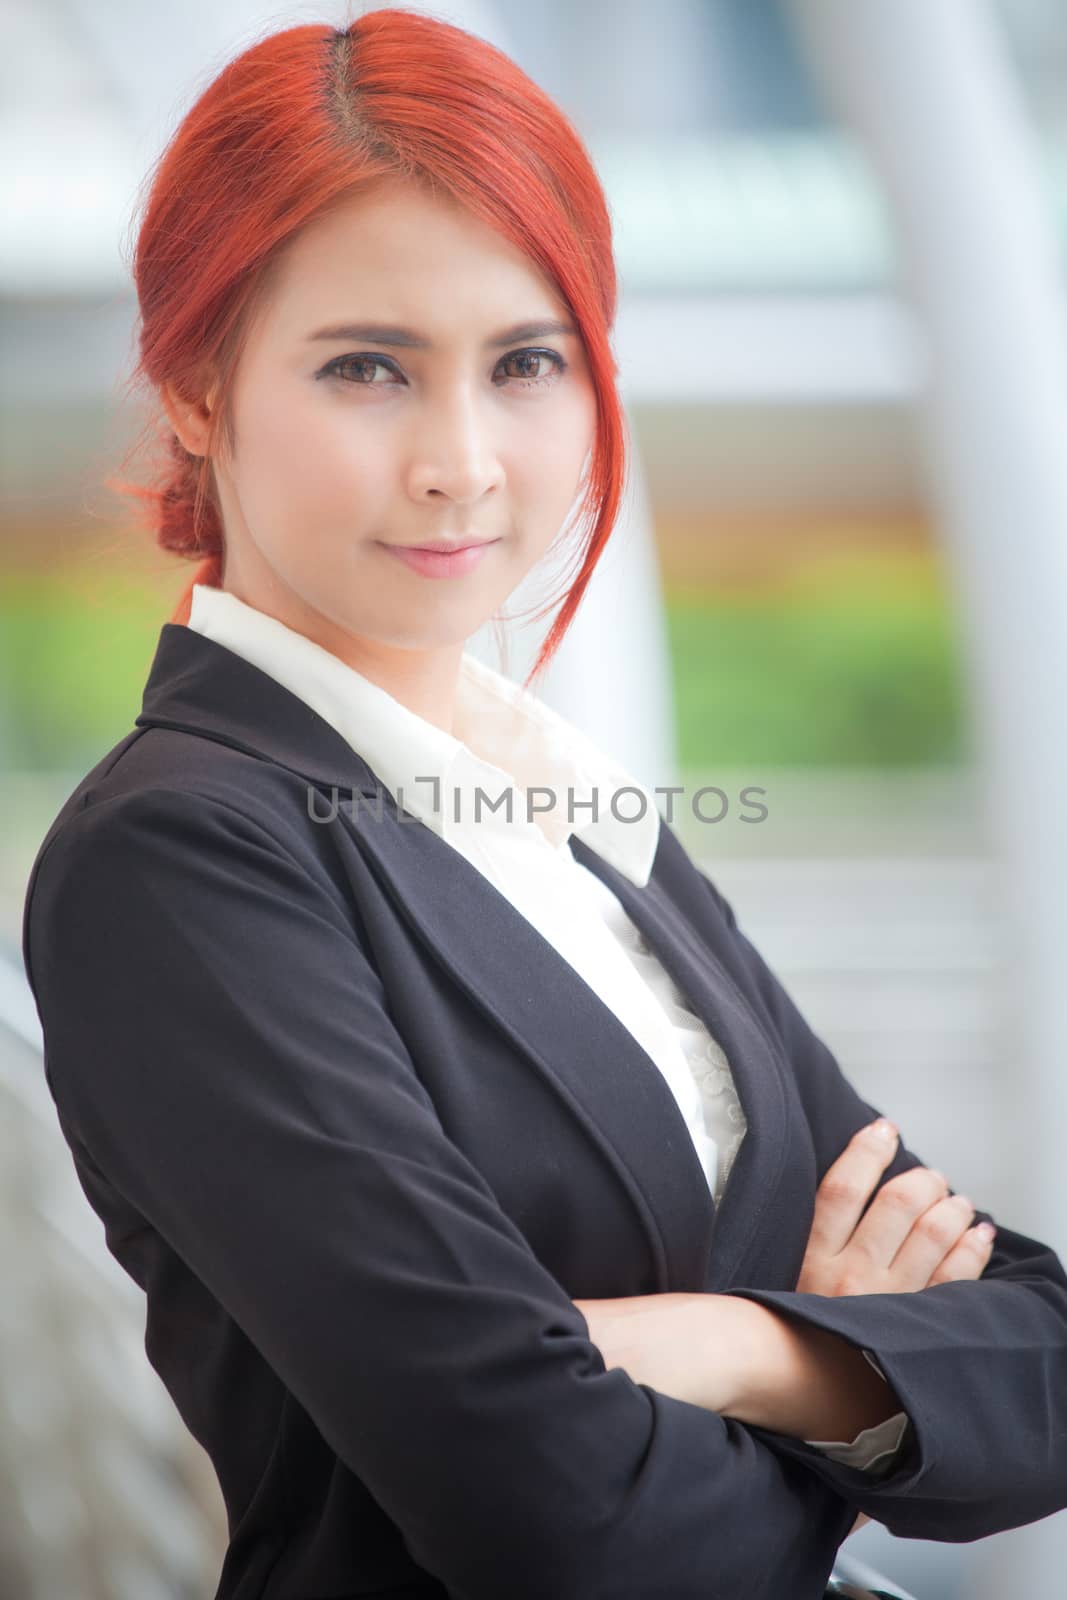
190	419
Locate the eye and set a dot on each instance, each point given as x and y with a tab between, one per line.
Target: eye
333	368
525	380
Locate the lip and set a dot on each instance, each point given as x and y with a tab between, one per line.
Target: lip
441	560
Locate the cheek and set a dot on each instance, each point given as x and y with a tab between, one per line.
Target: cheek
548	463
307	464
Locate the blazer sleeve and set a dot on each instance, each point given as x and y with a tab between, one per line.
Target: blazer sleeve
980	1367
873	1449
219	1042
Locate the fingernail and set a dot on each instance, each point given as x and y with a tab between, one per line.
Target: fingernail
985	1231
883	1129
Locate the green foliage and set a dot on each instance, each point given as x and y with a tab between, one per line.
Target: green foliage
856	665
73	666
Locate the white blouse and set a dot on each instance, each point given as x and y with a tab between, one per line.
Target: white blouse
531	767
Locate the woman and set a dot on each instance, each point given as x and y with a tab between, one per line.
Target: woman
391	1085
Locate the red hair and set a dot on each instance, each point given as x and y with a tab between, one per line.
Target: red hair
302	120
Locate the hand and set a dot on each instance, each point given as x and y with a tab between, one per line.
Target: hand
912	1235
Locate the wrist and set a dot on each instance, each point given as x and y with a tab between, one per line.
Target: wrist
805	1381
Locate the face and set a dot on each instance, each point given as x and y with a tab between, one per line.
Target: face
458	416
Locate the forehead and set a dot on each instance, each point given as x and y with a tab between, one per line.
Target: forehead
401	255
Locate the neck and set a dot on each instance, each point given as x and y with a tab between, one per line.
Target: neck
422	680
425	681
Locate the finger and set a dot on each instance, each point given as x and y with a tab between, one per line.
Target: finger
934	1233
847	1184
894	1212
968	1259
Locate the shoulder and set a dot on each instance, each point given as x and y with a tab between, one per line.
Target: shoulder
175	808
158	773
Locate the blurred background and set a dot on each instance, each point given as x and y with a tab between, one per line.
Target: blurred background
840	581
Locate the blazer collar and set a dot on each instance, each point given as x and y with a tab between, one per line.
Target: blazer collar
505	738
197	685
508	968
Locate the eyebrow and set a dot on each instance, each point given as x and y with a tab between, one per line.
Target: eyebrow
385	333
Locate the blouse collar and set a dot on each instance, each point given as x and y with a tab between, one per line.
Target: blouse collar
513	763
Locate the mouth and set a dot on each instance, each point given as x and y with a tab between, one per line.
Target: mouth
441	560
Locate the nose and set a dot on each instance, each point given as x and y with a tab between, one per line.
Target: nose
455	453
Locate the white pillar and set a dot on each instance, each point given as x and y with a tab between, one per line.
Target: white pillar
929	89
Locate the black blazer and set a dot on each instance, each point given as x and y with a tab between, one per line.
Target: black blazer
361	1133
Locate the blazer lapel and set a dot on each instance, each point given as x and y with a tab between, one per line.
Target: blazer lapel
688	953
564	1030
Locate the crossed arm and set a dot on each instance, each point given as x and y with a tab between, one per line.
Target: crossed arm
758	1364
742	1360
